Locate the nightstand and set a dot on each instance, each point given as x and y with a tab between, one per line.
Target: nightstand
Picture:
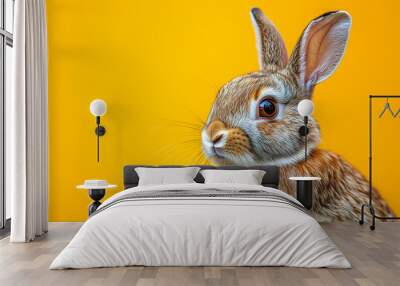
97	190
304	192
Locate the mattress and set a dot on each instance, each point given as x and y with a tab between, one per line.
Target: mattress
201	225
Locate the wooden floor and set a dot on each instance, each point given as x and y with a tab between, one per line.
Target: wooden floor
375	257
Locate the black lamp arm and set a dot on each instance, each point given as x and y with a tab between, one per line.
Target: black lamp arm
305	121
303	131
100	131
305	141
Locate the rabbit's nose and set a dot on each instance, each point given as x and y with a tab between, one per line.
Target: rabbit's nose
217	138
214	128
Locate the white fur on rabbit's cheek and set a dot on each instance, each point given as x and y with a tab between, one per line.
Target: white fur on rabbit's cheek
297	156
240	160
207	144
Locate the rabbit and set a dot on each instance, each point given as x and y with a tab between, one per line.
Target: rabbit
254	118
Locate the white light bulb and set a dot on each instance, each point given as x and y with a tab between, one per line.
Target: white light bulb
305	107
98	107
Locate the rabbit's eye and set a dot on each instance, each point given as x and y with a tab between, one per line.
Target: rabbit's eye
268	108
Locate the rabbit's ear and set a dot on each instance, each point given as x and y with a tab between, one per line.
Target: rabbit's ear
271	48
320	48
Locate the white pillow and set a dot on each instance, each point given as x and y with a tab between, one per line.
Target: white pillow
248	177
165	176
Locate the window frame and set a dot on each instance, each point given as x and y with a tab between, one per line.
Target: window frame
6	39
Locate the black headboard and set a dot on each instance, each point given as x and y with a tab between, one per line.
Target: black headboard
271	177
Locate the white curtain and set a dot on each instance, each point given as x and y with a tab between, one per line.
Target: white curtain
26	124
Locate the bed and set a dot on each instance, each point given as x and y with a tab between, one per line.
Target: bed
198	224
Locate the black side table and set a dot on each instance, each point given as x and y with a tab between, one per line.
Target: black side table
304	190
96	193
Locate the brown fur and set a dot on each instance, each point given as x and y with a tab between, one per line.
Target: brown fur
341	191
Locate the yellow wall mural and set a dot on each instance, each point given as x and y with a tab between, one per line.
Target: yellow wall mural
159	65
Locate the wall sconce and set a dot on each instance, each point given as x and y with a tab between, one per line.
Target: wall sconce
305	108
98	107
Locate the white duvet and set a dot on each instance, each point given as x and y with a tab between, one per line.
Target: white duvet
200	231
